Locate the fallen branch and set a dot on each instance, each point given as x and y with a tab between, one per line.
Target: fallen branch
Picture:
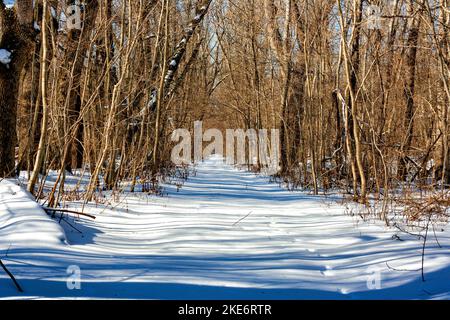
242	219
68	211
403	270
11	276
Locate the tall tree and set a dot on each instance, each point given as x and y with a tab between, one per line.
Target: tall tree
76	45
410	83
16	44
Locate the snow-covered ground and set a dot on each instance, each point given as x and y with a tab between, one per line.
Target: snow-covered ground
226	234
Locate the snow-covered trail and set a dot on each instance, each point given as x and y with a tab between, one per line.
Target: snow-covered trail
227	234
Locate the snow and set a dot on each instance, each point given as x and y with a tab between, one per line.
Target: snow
197	17
9	3
23	222
36	26
5	56
53	12
226	234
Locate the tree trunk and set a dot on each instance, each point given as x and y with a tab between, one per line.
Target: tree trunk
43	139
411	58
77	44
16	34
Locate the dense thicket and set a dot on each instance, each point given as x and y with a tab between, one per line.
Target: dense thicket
362	101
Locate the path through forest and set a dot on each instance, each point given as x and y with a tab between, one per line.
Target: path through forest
227	234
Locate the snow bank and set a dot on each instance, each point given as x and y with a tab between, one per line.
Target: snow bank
22	221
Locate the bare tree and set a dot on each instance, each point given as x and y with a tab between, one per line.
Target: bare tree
16	42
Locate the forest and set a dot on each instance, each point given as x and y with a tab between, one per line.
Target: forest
92	91
360	97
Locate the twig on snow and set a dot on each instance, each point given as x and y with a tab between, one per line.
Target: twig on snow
11	276
242	219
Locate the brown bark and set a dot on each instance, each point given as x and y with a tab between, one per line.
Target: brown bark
16	36
77	43
28	116
409	88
